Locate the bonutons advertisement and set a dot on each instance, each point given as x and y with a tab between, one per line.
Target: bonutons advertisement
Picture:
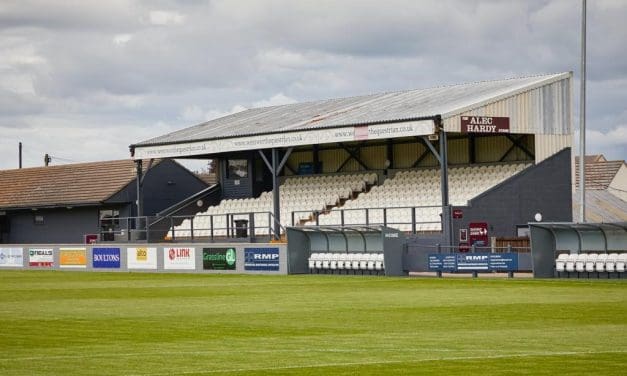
218	258
11	257
179	258
142	258
40	257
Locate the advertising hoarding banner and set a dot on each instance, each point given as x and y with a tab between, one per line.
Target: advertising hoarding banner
284	139
179	258
72	258
40	257
141	258
481	262
218	258
106	258
264	259
484	124
11	257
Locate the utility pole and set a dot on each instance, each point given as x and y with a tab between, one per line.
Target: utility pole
582	119
47	160
20	154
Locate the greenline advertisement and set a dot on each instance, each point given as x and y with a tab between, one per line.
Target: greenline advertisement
218	258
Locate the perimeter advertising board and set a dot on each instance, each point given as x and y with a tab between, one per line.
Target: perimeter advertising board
108	258
72	258
141	258
261	259
179	258
11	257
40	257
218	258
467	262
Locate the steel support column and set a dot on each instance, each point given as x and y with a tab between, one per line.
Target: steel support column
139	203
276	205
446	213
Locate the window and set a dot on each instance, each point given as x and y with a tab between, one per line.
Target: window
237	169
38	219
109	219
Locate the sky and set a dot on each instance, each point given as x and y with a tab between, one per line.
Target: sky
82	80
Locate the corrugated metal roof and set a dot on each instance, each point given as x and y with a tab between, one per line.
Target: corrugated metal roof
601	206
367	109
64	185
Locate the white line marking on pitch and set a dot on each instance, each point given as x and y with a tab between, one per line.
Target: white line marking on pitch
140	354
504	356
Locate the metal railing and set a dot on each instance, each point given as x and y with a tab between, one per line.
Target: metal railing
158	228
413	225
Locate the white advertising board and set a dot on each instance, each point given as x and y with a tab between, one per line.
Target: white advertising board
40	257
297	138
179	258
141	258
11	257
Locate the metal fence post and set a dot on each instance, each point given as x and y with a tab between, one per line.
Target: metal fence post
439	272
474	250
510	273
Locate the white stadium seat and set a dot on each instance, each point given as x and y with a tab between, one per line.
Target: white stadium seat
580	262
560	262
591	261
599	265
621	262
610	264
570	262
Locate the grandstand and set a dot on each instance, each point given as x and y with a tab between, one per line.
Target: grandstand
406	160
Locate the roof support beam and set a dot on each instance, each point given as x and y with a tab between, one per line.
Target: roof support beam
147	168
424	154
352	154
516	142
265	160
284	160
315	149
435	153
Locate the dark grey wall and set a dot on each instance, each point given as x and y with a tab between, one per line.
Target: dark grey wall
165	184
61	225
544	188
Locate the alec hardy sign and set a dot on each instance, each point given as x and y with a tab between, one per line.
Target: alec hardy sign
484	124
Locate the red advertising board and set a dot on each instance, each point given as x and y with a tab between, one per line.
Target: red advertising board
458	213
484	124
478	233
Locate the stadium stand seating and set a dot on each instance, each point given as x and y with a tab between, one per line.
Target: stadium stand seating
302	195
418	188
357	196
350	262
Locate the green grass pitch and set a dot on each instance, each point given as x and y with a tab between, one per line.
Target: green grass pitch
71	323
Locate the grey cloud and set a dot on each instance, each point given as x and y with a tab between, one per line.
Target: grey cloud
212	56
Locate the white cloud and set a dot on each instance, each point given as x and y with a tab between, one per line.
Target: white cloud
165	18
276	100
122	39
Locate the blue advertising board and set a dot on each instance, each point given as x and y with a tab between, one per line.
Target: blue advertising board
264	259
480	262
106	258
